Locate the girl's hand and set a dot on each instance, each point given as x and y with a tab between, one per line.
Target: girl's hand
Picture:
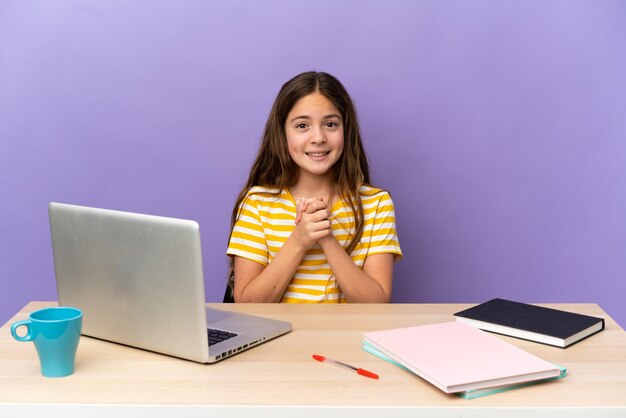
312	221
302	205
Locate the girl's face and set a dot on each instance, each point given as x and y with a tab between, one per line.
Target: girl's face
314	131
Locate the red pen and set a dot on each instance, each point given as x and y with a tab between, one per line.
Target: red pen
358	370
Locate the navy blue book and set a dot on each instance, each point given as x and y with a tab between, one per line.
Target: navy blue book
531	322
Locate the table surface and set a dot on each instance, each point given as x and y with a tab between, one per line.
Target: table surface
281	372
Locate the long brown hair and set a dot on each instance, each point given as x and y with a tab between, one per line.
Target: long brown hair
274	167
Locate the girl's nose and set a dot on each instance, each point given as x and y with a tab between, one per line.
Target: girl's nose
318	137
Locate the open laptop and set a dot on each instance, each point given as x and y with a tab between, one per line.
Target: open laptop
138	280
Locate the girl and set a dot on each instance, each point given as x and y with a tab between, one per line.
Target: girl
307	226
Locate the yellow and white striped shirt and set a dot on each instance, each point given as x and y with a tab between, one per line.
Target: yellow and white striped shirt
267	219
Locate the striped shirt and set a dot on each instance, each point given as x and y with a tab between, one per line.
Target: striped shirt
267	219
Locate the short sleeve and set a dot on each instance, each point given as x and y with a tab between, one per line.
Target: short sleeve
247	238
384	239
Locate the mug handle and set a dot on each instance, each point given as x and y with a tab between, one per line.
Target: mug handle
27	337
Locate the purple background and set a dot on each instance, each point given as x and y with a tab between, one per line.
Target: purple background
498	126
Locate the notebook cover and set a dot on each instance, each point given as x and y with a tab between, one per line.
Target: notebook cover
469	394
537	319
455	356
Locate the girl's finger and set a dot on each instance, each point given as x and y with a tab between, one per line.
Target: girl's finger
298	210
320	215
303	207
314	206
296	207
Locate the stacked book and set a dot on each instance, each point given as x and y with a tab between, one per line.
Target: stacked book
458	357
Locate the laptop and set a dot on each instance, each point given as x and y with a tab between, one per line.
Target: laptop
138	280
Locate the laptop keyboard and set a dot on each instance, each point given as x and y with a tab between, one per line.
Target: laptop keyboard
217	335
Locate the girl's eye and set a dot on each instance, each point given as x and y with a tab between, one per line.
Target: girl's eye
300	126
332	124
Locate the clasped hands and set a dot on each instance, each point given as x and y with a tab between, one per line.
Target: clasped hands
313	222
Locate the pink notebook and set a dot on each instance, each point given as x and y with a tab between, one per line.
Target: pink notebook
456	357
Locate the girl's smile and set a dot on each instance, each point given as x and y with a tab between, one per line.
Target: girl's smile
317	156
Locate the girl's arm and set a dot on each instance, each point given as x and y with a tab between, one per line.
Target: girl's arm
371	284
257	283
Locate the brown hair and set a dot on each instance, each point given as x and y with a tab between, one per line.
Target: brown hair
274	167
